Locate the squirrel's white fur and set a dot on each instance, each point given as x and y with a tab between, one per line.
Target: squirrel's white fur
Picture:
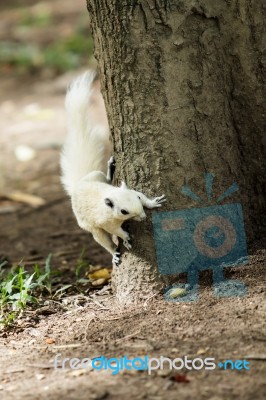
99	207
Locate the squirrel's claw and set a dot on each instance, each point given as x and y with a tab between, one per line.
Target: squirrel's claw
116	257
127	241
158	201
127	244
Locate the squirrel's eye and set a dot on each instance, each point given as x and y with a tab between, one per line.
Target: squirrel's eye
125	212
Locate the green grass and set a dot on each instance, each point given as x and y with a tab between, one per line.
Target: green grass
60	56
68	53
63	54
21	289
41	19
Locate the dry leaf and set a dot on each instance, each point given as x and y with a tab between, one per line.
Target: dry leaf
180	378
177	292
202	351
31	200
98	282
49	341
104	273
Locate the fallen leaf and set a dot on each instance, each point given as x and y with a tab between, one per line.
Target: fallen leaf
177	292
99	282
179	378
20	197
104	273
202	351
49	341
98	277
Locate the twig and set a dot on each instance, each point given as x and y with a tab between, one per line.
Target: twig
149	298
66	346
42	366
127	337
261	357
99	304
87	326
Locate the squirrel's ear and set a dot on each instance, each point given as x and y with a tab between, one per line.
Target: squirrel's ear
123	185
109	202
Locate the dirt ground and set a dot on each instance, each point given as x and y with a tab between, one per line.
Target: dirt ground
93	325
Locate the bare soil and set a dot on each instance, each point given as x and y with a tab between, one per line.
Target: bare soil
93	325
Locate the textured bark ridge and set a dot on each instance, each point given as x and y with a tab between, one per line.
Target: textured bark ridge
183	86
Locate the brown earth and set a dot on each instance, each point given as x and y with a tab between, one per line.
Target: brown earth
91	324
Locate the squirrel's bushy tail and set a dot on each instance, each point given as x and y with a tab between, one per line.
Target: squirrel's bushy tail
87	147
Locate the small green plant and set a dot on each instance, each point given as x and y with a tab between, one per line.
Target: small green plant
63	55
41	19
44	279
68	53
19	288
14	54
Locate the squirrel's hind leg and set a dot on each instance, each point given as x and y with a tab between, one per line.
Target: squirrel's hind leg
124	236
105	240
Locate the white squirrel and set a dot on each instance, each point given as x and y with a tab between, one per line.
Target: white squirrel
99	207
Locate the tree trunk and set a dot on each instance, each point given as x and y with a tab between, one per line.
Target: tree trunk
183	87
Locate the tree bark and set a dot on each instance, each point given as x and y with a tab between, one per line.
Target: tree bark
183	86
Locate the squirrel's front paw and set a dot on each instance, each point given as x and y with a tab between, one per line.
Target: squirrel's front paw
158	201
116	257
